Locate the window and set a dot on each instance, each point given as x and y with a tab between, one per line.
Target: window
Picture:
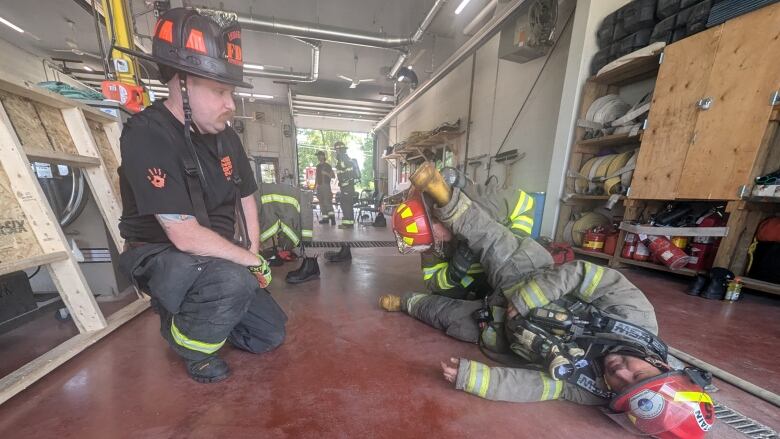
267	169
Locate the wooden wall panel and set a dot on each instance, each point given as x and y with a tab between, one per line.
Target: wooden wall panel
25	121
682	81
729	134
110	162
17	240
56	129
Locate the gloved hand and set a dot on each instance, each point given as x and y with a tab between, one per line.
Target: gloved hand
461	261
262	272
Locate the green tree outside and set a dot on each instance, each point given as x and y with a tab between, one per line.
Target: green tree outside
360	146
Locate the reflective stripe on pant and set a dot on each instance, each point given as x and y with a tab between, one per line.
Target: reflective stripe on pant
521	217
325	198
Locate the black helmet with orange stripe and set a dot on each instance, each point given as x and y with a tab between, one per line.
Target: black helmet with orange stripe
186	41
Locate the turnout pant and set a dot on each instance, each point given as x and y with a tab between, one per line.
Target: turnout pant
326	202
204	302
347	202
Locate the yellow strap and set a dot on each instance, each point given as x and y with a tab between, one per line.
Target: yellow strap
194	345
276	198
692	397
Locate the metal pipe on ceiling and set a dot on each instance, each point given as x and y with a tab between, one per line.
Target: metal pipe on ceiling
480	17
382	110
312	76
466	50
417	36
337	110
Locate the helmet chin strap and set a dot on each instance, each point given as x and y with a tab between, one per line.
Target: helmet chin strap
185	101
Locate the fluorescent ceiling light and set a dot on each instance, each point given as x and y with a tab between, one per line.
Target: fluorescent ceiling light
89	69
11	25
460	7
254	66
252	95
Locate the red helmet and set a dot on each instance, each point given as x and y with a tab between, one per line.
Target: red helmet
412	225
668	406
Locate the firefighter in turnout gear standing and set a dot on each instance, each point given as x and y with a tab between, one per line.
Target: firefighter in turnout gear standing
322	185
578	331
190	218
348	174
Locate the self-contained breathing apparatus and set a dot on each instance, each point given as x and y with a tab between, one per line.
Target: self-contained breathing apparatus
568	338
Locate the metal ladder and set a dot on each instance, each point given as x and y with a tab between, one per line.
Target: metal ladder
743	424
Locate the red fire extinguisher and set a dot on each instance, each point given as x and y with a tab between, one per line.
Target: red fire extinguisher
629	246
669	254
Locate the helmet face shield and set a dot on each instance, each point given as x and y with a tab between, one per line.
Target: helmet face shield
667	406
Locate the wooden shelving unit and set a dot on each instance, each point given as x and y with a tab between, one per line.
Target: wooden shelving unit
670	170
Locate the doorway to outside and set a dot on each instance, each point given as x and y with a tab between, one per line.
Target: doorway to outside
360	146
267	169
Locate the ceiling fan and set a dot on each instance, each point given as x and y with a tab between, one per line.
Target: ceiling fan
73	47
355	82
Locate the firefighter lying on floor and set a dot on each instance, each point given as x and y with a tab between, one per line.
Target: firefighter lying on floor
579	331
452	269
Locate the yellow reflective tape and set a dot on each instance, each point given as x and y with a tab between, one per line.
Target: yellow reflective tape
593	274
407	240
483	388
692	397
401	207
290	234
348	222
472	380
475	268
541	298
276	198
443	280
524	203
527	297
545	387
307	233
269	232
194	345
406	213
412	228
434	268
466	281
427	276
558	389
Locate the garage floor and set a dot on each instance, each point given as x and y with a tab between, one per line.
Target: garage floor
348	369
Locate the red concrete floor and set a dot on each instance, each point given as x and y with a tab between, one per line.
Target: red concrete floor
346	370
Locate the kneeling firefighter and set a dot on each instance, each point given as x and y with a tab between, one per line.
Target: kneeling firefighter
449	267
578	331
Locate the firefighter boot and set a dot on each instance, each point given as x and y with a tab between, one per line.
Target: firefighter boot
344	254
309	269
390	302
332	220
324	220
428	179
209	370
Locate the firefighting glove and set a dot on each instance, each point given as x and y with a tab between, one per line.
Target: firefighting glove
461	261
262	271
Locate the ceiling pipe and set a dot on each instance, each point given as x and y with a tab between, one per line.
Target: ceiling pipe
417	36
294	76
466	50
483	14
314	31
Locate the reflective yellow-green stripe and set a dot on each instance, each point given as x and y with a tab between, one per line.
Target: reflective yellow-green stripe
269	232
428	272
290	234
551	389
476	268
194	345
478	380
348	222
523	223
524	203
443	280
466	281
593	274
532	295
276	198
307	233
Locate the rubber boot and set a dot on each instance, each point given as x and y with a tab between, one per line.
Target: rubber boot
344	254
308	270
390	302
698	285
333	221
324	220
209	370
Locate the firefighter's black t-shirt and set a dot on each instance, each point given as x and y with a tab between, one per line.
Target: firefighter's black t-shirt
152	178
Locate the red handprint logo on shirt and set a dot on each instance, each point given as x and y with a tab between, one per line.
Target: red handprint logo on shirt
156	177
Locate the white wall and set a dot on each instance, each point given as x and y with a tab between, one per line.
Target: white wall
20	65
266	138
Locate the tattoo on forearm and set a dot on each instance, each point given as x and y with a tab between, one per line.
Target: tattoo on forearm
172	218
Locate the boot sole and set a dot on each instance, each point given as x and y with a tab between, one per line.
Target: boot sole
317	276
205	380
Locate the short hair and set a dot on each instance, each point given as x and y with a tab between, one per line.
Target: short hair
320	153
339	144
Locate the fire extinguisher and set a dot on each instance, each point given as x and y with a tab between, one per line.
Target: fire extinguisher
629	246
